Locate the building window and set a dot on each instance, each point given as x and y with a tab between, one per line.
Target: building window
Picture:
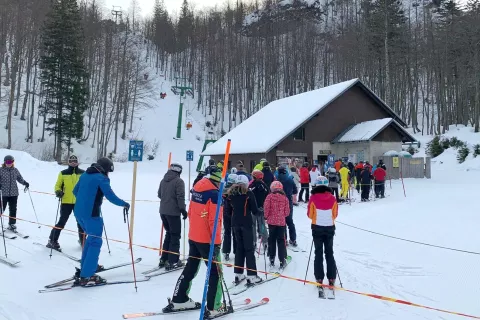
299	134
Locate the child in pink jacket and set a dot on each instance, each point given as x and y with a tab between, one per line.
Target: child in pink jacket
276	208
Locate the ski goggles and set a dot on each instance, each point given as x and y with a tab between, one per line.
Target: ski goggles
9	162
73	161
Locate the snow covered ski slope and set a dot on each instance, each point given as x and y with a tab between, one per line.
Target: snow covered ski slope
440	211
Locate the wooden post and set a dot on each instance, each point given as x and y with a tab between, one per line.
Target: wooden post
132	207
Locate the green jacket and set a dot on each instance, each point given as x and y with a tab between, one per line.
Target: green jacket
259	166
67	179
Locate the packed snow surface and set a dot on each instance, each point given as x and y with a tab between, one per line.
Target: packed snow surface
247	135
433	211
365	131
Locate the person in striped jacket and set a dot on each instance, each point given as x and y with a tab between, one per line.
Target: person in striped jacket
323	210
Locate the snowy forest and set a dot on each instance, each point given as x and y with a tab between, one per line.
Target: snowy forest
421	57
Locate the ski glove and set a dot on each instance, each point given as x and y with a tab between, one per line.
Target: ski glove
184	214
27	185
59	194
127	205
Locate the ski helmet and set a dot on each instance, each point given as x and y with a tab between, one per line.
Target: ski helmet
233	170
106	164
322	181
176	167
8	158
215	174
332	170
257	174
73	158
243	180
276	186
232	178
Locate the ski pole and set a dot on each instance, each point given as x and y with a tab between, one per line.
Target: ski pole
54	231
184	245
224	285
125	219
341	285
308	264
31	200
1	219
106	237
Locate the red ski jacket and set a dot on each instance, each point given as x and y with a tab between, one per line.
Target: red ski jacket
380	174
304	175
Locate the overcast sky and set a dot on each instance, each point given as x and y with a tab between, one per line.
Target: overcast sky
172	5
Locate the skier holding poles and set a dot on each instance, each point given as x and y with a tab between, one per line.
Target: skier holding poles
89	192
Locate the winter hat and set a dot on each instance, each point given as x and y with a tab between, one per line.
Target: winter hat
243	180
305	164
293	169
106	164
322	181
282	169
233	170
276	186
266	164
215	175
211	162
73	158
232	178
257	174
176	167
8	158
263	160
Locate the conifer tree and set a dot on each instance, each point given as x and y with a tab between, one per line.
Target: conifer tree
63	75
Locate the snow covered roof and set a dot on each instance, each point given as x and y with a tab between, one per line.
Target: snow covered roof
366	131
265	129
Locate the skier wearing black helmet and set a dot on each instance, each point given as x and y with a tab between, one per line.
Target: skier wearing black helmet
66	181
9	176
172	204
89	192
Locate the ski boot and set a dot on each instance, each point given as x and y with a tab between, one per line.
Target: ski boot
211	314
92	281
175	306
239	278
252	280
12	227
321	290
283	264
272	262
172	266
293	243
100	268
226	256
53	245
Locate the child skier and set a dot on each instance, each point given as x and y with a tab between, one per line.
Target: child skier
260	190
240	206
323	210
227	220
9	175
277	209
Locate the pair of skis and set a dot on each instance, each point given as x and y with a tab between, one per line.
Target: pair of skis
5	260
16	233
58	286
239	307
158	271
66	255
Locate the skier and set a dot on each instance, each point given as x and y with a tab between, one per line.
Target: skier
211	166
89	191
323	210
358	171
241	206
9	175
365	181
260	165
227	221
314	174
333	181
171	193
379	175
304	183
296	179
66	181
289	188
382	164
201	213
268	176
345	181
277	209
260	191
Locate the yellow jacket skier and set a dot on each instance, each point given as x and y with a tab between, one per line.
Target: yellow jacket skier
344	178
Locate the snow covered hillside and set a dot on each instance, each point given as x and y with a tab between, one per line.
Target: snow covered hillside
433	211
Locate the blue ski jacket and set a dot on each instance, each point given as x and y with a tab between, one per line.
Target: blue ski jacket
92	186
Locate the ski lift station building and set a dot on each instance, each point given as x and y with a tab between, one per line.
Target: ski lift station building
346	119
